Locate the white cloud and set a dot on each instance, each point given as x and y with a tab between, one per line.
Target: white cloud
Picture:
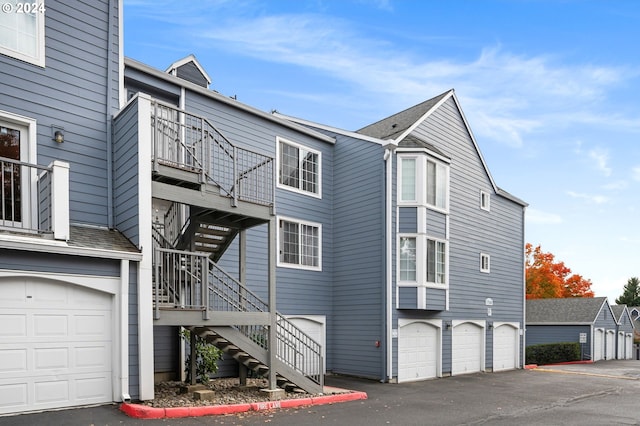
636	173
601	159
540	217
596	199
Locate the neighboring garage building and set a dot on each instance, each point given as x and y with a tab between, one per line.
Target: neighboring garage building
569	319
624	335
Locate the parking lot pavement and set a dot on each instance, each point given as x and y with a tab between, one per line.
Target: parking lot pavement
593	394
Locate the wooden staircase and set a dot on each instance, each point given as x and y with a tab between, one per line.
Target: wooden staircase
255	358
192	288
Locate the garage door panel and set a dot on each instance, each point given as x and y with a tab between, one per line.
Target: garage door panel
505	344
417	352
55	356
13	395
466	349
12	325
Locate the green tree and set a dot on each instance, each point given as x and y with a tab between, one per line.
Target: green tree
631	294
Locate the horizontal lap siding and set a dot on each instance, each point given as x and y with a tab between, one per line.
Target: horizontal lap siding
125	163
299	291
605	319
359	266
58	263
70	92
472	230
498	233
541	334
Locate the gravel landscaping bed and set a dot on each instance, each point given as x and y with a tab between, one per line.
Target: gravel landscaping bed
227	391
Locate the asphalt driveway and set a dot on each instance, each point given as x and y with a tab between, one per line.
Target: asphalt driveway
604	393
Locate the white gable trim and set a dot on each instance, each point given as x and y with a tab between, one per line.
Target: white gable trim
191	58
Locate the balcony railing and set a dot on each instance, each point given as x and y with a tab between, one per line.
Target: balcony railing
190	142
34	199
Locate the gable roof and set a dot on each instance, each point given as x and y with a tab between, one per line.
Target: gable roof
573	310
618	310
395	125
173	68
399	126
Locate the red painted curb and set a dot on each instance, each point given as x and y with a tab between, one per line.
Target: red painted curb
142	411
341	397
139	411
530	366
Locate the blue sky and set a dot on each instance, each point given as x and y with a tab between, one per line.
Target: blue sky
550	89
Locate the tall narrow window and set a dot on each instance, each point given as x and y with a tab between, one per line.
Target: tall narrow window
408	259
485	201
408	184
485	263
22	31
300	244
436	262
299	168
437	184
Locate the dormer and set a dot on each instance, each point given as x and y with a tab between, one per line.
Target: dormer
189	69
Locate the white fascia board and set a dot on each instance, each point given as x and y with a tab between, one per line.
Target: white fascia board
339	131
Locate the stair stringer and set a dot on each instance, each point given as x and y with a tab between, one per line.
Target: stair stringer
248	353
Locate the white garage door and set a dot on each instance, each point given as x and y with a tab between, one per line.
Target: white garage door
505	347
418	352
620	345
628	352
598	344
611	344
55	346
466	348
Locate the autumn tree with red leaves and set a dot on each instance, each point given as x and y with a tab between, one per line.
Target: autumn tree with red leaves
548	279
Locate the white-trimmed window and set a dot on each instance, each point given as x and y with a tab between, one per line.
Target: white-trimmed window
22	31
408	169
436	261
422	260
437	184
485	263
423	181
407	256
299	168
485	201
300	244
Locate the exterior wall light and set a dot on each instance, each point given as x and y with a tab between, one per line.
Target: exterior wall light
58	134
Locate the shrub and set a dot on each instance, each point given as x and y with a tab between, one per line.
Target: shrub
551	353
207	356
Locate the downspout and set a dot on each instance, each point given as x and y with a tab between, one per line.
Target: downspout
388	249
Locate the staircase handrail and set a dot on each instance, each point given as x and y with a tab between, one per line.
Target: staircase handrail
222	292
191	142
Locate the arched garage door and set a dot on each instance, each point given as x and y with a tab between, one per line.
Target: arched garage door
598	344
505	347
418	351
610	345
55	345
467	348
628	347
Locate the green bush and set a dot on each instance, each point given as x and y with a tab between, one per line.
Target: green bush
552	353
207	356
